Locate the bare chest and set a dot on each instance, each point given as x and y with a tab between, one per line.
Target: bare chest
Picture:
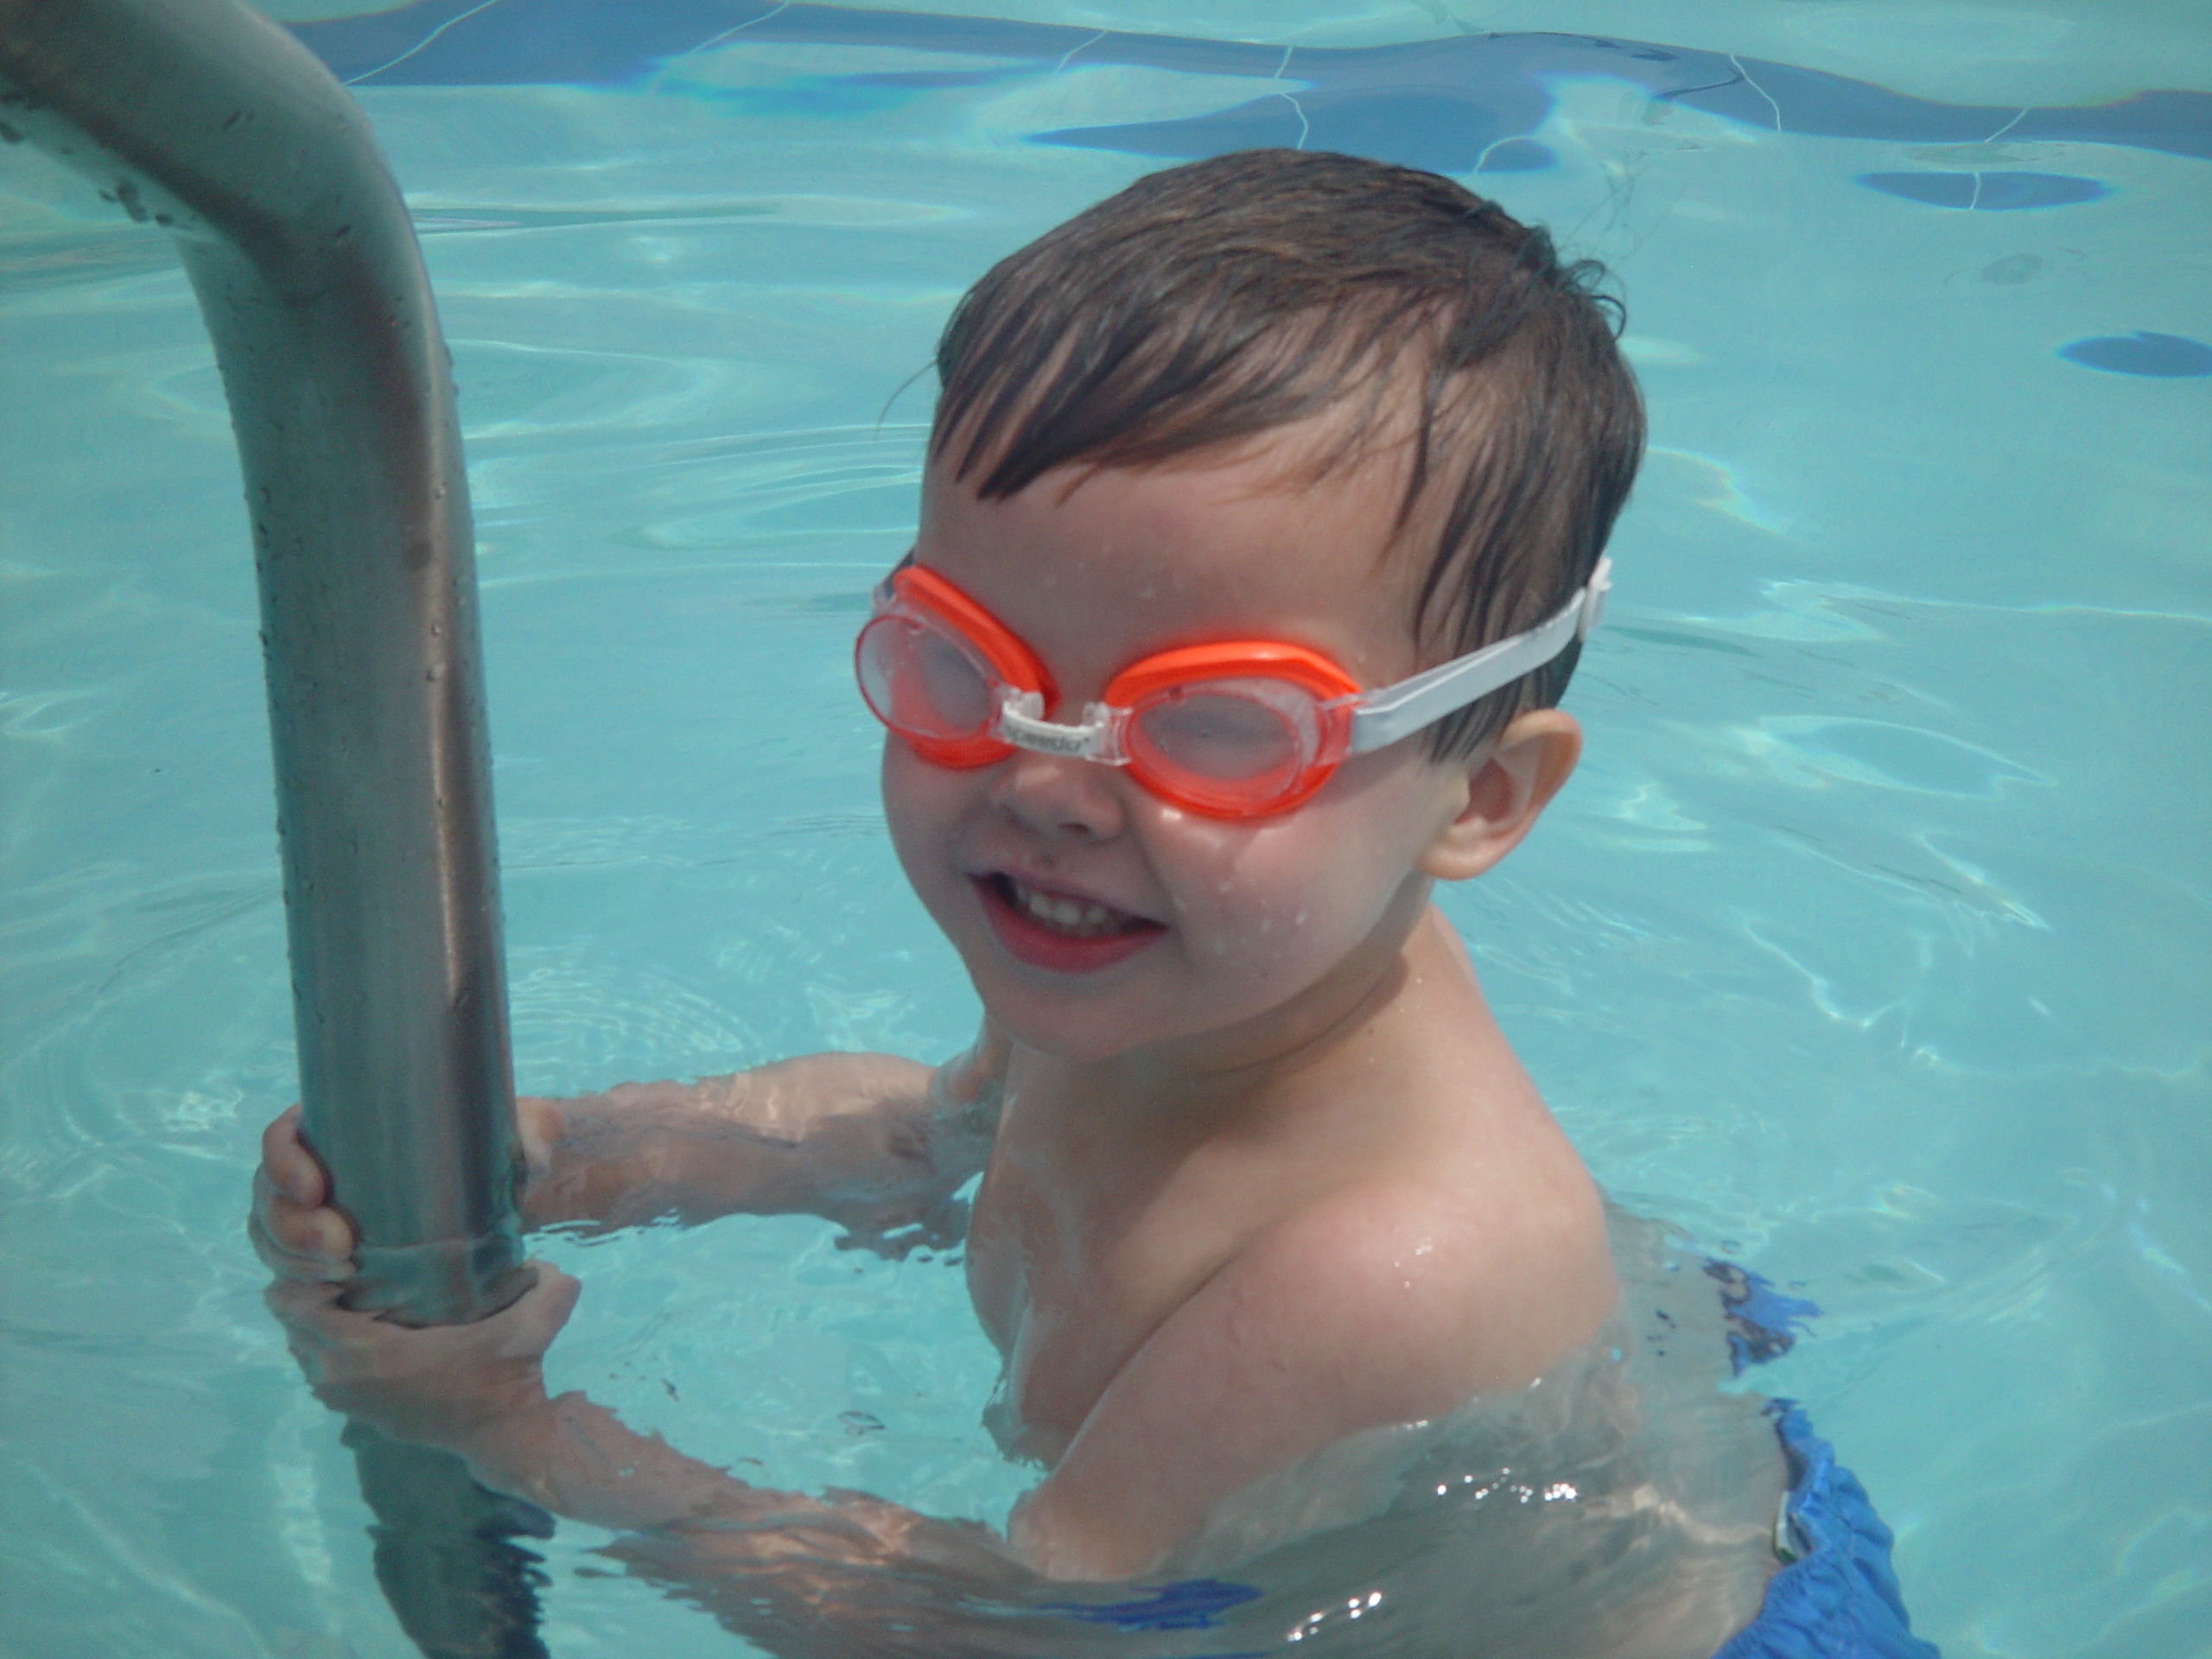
1069	1281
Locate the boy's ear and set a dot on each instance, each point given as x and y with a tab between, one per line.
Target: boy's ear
1508	786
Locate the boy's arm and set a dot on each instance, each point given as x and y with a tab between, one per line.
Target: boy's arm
873	1141
878	1143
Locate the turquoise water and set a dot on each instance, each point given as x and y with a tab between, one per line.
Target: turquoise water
1870	944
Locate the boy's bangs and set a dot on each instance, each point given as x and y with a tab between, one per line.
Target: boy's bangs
1141	391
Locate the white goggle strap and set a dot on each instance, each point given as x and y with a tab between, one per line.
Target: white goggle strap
1381	718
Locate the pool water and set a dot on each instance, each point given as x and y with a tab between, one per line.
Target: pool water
1870	944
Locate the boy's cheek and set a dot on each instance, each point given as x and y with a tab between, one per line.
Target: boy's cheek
921	804
906	802
1297	900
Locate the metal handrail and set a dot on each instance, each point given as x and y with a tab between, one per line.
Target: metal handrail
208	120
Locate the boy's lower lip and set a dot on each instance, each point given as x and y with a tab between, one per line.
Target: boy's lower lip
1030	941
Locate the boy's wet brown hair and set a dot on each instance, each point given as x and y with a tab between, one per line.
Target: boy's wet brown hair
1213	301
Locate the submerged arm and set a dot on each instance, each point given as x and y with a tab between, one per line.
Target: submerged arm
839	1576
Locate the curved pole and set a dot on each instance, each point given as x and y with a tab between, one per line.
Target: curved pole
216	124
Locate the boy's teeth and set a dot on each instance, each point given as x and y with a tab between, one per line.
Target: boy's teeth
1078	916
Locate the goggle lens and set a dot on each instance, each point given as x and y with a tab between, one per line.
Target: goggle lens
924	684
1237	744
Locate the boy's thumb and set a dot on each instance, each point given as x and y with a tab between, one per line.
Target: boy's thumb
536	1316
559	1289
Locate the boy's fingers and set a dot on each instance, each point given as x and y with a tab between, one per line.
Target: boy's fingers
530	1323
554	1296
298	1301
526	1327
295	1243
320	1325
294	1232
314	1322
293	1170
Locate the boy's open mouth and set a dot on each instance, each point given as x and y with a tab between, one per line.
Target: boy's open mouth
1059	931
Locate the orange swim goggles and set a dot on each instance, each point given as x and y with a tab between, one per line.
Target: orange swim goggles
1241	728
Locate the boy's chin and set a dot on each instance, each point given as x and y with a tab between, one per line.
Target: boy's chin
1056	1035
1086	1031
1073	1028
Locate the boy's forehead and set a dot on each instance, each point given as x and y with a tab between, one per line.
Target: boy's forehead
1257	537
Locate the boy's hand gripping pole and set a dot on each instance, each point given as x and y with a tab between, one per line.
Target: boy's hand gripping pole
214	123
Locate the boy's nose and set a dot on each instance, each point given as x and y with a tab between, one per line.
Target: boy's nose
1059	797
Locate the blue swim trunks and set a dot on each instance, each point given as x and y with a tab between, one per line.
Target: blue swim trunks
1838	1600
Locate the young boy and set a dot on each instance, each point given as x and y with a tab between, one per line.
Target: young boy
1219	468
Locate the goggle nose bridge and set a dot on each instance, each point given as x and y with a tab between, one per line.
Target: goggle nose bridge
1097	737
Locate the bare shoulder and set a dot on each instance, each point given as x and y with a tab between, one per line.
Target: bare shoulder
1424	1292
1387	1297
